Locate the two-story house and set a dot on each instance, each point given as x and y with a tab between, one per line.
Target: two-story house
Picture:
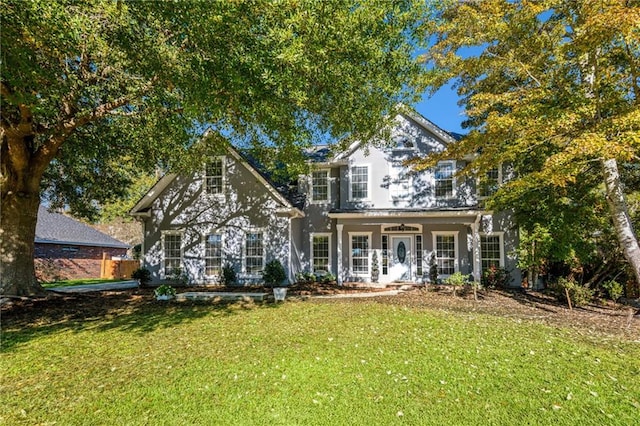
356	211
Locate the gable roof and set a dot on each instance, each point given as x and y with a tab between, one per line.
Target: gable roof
412	114
56	228
144	204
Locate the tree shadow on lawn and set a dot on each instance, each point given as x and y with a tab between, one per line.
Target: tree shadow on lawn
134	311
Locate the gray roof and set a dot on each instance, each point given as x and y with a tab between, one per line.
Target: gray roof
56	228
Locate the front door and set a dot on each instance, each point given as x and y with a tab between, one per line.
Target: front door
401	259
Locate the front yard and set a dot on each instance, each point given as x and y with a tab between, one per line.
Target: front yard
420	358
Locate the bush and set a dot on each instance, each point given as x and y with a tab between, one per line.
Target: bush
578	294
614	289
433	269
228	275
143	275
165	290
273	273
495	277
457	280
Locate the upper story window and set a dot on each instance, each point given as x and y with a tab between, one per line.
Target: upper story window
489	183
399	182
444	179
214	176
359	182
320	186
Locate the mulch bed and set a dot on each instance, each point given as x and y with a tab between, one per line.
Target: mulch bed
600	319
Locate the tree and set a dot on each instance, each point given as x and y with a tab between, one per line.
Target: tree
94	91
551	87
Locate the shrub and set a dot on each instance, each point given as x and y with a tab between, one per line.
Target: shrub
433	269
456	280
165	290
143	275
228	275
495	277
614	289
578	294
273	273
329	278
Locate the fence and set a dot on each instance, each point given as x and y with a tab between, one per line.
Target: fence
115	269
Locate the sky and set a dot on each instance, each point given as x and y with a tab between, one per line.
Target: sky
443	110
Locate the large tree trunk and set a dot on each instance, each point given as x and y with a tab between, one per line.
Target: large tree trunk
620	215
17	234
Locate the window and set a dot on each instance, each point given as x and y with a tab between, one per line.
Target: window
444	179
419	255
254	253
385	255
212	254
214	176
360	254
321	252
491	251
172	251
359	182
445	245
399	184
489	183
320	186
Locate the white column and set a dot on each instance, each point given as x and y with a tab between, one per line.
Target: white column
339	228
476	249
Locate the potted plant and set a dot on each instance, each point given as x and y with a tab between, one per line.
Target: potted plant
165	292
274	275
143	275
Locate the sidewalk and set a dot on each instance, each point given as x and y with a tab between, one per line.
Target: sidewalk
122	285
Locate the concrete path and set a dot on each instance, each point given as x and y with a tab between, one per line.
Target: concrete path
121	285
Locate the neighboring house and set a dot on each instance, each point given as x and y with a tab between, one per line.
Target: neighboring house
351	205
68	249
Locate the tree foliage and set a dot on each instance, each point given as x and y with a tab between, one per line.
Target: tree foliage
552	88
95	91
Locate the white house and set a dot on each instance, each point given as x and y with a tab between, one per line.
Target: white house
355	209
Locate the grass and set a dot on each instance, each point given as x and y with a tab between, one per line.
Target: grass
312	363
85	281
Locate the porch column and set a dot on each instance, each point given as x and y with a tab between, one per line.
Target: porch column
339	228
475	227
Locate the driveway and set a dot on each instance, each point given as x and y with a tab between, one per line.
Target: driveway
121	285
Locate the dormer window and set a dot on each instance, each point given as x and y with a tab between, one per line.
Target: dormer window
320	186
214	176
444	179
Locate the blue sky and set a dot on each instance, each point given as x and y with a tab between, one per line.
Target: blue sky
442	109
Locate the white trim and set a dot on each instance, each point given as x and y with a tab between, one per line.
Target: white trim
370	250
456	249
204	253
500	235
453	180
163	234
328	200
311	237
416	228
412	214
350	182
244	251
339	229
83	244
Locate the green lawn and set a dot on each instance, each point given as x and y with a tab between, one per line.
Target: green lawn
84	281
313	363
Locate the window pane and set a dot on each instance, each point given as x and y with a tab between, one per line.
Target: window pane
446	254
359	182
254	253
360	254
444	180
320	186
321	253
172	253
489	183
490	251
213	254
214	172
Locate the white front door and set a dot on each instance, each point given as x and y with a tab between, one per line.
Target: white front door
401	258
